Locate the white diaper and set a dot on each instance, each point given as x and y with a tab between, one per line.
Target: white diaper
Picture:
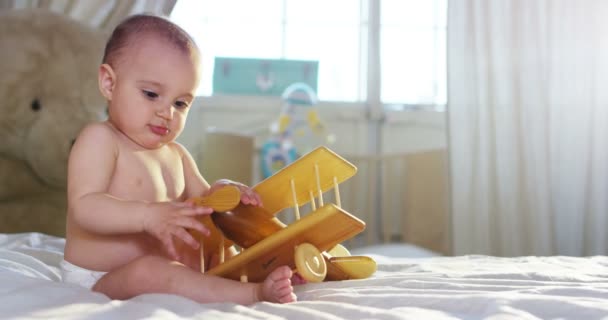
71	273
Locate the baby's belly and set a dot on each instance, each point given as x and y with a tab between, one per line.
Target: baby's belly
103	253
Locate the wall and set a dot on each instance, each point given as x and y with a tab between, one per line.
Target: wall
401	131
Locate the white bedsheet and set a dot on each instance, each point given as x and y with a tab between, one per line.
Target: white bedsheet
466	287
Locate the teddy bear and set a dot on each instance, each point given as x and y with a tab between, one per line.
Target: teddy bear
48	93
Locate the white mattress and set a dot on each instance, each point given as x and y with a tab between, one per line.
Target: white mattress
465	287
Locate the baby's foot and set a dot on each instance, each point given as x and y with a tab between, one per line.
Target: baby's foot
277	286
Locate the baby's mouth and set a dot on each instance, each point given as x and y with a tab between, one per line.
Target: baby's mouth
159	130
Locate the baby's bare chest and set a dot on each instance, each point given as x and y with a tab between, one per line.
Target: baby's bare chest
149	175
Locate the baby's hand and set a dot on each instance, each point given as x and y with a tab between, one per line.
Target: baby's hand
248	196
166	220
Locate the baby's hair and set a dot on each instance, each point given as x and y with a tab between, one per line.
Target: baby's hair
136	26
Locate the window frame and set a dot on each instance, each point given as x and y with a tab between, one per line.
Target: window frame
370	87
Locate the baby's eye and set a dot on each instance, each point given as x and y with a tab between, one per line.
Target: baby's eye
150	94
181	104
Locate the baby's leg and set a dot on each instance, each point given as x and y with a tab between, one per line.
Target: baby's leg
154	274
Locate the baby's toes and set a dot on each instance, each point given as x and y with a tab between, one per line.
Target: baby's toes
282	283
283	273
291	297
283	289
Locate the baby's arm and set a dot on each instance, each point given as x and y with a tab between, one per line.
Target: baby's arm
197	186
91	166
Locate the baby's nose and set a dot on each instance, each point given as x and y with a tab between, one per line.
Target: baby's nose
166	113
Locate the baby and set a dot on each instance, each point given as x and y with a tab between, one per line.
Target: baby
129	181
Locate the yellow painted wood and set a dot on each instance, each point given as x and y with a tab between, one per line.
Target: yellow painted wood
324	228
339	251
223	199
211	243
247	225
356	267
310	263
275	191
269	242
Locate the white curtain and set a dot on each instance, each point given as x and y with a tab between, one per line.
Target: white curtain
102	14
528	126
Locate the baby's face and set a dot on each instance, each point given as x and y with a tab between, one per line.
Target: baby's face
155	85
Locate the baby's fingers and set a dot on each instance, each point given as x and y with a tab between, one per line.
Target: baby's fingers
258	199
195	211
185	204
191	223
170	247
187	238
251	198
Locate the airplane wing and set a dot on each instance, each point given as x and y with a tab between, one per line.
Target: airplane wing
276	193
323	228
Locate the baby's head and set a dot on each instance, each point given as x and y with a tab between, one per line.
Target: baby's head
136	26
149	75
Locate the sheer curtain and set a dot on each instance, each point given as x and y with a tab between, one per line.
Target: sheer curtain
528	126
103	14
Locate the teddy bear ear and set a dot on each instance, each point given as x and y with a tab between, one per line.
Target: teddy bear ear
36	106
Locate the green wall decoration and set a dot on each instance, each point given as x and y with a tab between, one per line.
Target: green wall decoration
269	77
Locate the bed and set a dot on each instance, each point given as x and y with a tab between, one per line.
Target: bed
407	234
415	285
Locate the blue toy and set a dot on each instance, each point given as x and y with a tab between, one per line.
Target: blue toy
276	154
296	130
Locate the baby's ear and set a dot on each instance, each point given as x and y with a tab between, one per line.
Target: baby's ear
106	79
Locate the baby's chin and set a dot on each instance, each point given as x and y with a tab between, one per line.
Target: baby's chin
157	145
152	144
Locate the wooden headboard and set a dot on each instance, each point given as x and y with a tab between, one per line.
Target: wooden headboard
426	200
402	198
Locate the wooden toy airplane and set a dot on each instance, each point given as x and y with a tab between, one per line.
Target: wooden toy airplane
310	245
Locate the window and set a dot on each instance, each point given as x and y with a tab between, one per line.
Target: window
413	51
412	42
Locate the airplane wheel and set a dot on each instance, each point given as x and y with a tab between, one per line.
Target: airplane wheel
339	251
310	263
